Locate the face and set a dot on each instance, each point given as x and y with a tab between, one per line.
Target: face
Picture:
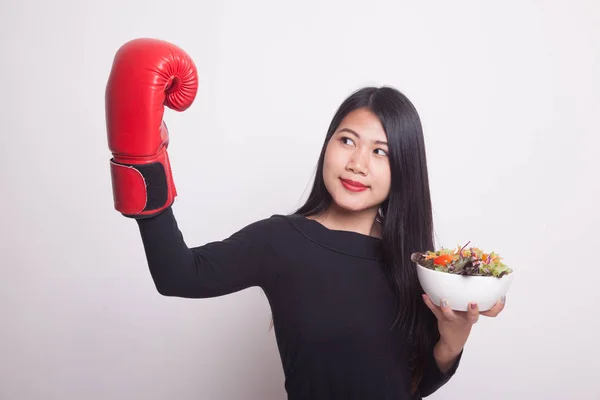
356	169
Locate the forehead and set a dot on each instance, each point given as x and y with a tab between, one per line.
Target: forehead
365	123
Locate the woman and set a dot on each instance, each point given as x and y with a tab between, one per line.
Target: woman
350	318
348	311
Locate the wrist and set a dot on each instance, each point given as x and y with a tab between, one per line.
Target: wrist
444	350
445	356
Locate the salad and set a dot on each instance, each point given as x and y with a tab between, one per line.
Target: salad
463	261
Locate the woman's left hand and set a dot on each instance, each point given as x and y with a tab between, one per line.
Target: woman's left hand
455	326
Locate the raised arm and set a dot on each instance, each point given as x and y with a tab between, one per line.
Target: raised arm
146	76
213	269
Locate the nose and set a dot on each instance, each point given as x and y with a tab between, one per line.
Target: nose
358	163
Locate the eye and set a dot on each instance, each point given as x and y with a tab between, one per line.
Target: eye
381	152
347	140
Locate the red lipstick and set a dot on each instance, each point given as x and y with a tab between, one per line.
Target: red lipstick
353	186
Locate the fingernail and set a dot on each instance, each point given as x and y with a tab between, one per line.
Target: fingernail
444	303
473	306
503	300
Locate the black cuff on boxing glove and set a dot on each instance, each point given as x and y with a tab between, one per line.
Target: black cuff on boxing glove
140	190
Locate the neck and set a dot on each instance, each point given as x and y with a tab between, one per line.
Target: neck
362	222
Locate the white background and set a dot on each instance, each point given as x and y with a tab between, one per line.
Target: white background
509	94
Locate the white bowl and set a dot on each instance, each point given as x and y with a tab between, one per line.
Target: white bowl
460	290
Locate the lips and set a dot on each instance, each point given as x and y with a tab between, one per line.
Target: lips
353	185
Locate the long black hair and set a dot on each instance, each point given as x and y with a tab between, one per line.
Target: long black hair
406	215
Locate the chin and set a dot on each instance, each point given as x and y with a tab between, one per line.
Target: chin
353	204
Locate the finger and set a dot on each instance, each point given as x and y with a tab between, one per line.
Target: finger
435	309
473	313
497	309
447	312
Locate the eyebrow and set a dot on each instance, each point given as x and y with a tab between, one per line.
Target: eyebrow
358	136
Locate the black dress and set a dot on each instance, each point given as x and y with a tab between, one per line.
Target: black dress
331	303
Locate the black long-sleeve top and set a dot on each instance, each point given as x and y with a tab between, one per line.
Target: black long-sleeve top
331	304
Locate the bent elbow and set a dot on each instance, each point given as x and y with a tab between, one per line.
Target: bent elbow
166	289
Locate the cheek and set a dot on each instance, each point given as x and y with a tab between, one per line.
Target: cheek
331	161
327	168
384	178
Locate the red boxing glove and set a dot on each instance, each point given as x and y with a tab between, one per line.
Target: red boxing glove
146	75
